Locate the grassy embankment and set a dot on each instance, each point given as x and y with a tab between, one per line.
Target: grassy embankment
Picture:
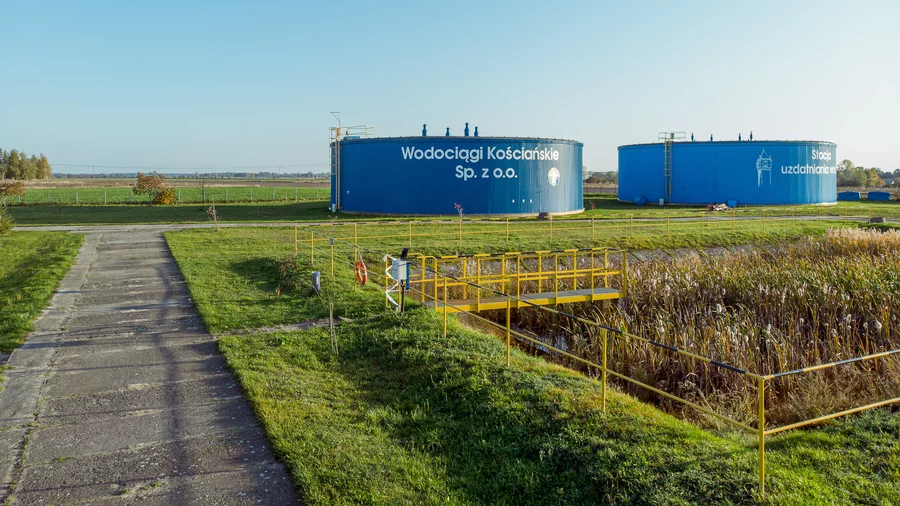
402	416
604	208
31	266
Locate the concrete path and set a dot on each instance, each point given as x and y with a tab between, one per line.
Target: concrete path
120	395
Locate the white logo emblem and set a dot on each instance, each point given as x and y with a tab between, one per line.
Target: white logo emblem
553	177
763	164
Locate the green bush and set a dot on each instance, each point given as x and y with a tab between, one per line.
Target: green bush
6	223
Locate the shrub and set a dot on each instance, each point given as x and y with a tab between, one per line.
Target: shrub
6	223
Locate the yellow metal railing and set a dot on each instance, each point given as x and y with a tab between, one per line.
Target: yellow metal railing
434	286
571	273
670	225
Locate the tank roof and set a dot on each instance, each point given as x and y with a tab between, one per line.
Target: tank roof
459	138
733	141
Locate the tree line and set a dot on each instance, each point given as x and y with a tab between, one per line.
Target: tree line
16	165
860	177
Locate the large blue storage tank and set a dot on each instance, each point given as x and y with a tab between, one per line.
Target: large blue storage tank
484	175
748	172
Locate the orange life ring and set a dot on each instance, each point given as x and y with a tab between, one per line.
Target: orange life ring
362	275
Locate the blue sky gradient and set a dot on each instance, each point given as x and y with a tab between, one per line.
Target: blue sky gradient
226	84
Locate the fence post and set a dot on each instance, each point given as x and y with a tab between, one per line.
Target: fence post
331	240
603	335
226	195
76	196
179	195
295	195
251	194
762	435
273	193
311	251
317	194
104	198
295	240
355	242
445	305
507	231
508	331
355	259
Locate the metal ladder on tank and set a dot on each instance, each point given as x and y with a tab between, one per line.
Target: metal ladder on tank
336	134
668	138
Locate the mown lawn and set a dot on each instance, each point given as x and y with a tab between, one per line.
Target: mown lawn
400	415
31	266
603	207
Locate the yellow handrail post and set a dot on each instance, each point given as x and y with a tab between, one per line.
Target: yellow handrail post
355	241
606	269
603	370
311	251
518	276
556	277
435	282
508	331
295	241
762	435
478	283
507	231
445	307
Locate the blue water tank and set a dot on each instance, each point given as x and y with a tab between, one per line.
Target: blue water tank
878	196
750	172
850	196
485	175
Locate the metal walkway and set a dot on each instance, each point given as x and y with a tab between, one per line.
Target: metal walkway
483	282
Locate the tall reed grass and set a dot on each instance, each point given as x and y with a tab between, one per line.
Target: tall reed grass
767	310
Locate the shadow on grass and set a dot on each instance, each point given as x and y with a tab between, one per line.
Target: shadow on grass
526	436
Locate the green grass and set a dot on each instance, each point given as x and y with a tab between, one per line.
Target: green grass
402	415
88	196
31	266
134	214
233	273
607	208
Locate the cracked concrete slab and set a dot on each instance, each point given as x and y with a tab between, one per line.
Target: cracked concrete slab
121	396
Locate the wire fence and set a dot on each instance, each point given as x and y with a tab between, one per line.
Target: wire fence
344	253
186	195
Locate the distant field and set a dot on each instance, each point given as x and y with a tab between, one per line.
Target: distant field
179	182
184	195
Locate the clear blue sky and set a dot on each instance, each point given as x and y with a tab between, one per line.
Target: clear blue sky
223	84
